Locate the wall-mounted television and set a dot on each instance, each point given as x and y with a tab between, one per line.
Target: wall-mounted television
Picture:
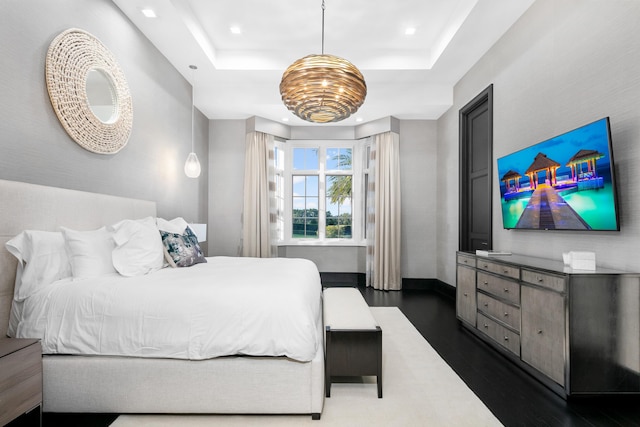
564	183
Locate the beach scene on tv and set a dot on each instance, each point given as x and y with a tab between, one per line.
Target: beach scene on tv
564	183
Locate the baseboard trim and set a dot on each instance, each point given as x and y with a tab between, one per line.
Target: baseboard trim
433	285
334	280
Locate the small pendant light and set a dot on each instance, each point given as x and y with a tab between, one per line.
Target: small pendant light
192	165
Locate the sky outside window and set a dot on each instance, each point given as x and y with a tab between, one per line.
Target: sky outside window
305	159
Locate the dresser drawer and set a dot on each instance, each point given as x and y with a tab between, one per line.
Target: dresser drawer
466	260
501	269
498	333
20	380
501	288
506	313
544	280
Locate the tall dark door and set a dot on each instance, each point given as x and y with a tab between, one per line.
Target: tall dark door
476	158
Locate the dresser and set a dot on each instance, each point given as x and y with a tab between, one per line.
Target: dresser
20	380
576	331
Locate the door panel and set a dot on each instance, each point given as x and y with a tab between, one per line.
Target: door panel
476	156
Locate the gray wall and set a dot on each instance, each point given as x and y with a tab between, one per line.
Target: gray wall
226	180
418	178
418	168
562	65
35	148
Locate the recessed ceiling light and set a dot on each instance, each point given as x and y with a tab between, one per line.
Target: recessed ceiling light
235	29
409	31
358	119
285	119
149	13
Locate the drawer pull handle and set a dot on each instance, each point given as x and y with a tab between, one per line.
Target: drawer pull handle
506	290
539	331
540	279
486	265
486	326
485	282
505	271
506	315
466	295
486	304
506	338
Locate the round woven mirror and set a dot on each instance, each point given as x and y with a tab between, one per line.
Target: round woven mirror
89	92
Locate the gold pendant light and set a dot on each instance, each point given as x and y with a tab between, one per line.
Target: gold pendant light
323	88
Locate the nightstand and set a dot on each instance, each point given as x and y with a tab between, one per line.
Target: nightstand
20	380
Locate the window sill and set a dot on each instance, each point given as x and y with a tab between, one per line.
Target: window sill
346	243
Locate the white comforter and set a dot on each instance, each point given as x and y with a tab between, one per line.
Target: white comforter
228	306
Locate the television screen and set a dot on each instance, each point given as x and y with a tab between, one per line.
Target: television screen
564	183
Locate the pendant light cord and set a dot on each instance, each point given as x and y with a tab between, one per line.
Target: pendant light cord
193	94
323	27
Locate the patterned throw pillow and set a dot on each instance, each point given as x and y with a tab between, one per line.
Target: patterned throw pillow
182	250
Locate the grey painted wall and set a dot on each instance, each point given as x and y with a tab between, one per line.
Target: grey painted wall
418	156
226	180
562	65
35	148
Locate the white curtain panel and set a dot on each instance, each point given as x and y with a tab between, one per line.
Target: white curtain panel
259	209
383	269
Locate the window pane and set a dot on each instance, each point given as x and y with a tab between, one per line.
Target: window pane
338	189
312	209
298	227
311	228
298	205
338	207
345	228
312	185
298	185
278	157
339	159
366	202
305	206
305	228
279	206
305	159
367	158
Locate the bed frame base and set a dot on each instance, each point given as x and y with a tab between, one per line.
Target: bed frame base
226	385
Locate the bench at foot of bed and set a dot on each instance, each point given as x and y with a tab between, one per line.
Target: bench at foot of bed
353	341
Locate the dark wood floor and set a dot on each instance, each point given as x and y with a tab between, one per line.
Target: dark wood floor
516	398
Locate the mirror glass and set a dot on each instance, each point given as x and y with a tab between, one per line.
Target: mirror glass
102	96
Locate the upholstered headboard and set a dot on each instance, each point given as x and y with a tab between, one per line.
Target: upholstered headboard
37	207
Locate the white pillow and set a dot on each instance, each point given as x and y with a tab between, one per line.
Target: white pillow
175	226
89	252
139	248
42	260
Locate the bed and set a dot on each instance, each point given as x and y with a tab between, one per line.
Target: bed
201	380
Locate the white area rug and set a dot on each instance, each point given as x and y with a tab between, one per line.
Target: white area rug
419	389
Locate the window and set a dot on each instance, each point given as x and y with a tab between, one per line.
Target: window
322	194
305	206
279	164
366	171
